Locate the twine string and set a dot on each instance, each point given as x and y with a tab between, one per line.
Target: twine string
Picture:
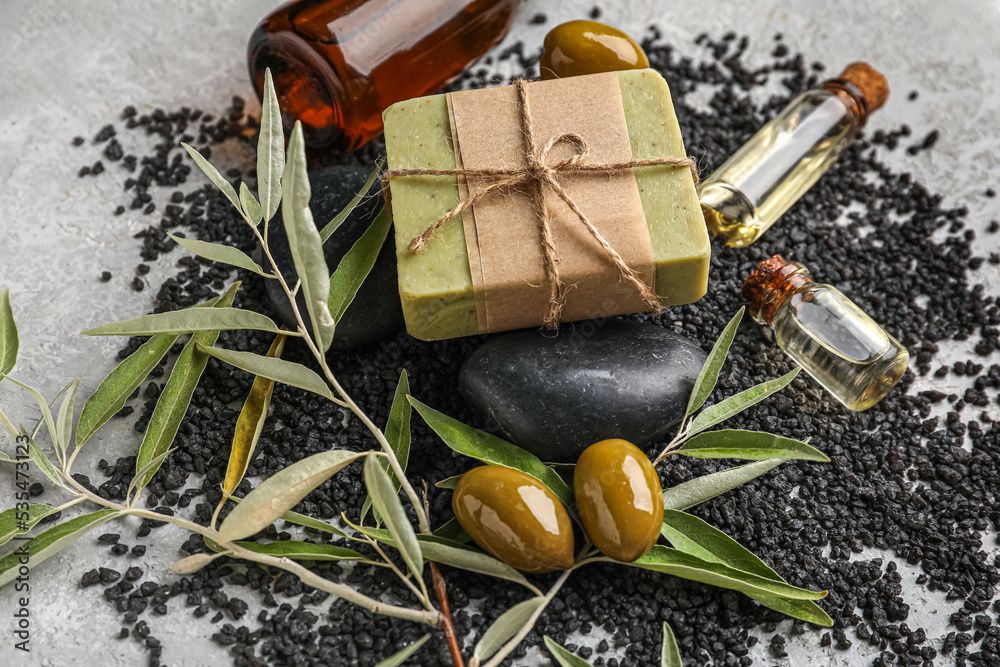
540	172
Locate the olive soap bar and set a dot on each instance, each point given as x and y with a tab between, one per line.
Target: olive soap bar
435	286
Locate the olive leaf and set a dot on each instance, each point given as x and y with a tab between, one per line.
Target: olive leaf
723	410
670	653
397	434
385	499
250	205
357	264
698	538
250	424
189	321
270	152
51	541
505	627
449	482
224	254
42	461
214	176
279	370
750	446
686	566
46	411
452	530
115	389
301	520
14	522
144	472
398	658
698	490
173	402
492	450
453	553
281	492
339	219
296	550
709	375
304	241
64	420
563	656
8	335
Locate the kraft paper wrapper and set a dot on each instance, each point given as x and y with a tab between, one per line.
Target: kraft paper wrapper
502	231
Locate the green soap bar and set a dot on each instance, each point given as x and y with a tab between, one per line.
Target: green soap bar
435	287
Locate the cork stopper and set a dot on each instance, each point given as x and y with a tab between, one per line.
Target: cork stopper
766	288
874	87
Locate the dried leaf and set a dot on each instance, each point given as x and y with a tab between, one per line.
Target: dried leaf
224	254
281	492
398	658
385	499
214	176
14	522
304	241
357	264
279	370
250	205
670	653
397	434
750	446
700	489
563	657
709	375
270	150
188	321
51	541
683	565
505	627
8	335
175	398
492	450
339	219
115	389
251	422
733	405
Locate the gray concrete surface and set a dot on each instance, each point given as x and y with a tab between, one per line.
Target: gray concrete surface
70	65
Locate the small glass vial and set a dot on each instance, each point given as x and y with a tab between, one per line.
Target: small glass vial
769	173
338	64
826	333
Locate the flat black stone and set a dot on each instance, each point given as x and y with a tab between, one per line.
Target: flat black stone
375	312
555	395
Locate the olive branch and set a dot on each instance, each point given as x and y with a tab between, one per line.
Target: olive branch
698	551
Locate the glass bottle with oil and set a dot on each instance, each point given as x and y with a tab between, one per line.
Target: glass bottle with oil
826	333
758	183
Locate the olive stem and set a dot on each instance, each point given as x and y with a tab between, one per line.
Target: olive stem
678	440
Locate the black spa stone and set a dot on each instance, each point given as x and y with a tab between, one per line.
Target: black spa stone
375	312
555	395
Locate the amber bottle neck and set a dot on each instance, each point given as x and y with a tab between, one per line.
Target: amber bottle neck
770	285
851	96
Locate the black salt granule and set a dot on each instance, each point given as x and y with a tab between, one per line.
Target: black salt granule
902	484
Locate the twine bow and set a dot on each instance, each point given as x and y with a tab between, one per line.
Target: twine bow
540	172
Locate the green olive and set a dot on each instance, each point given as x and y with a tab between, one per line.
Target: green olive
619	497
588	47
514	517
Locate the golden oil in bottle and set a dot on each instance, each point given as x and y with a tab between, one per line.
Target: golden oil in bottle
758	183
833	340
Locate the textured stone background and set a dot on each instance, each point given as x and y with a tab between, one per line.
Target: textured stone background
70	66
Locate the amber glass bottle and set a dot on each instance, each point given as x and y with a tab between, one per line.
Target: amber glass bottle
337	64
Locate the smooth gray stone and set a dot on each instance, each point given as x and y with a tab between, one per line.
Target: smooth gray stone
375	312
555	395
